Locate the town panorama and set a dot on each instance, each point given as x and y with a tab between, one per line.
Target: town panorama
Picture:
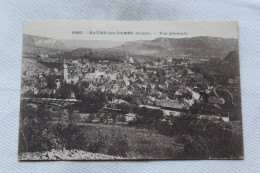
164	98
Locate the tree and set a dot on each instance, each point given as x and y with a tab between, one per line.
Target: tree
149	116
124	107
28	111
70	111
51	82
90	118
43	112
156	115
185	72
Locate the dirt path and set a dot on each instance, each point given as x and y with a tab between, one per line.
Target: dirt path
66	155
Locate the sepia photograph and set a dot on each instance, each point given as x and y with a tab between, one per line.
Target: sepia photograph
130	90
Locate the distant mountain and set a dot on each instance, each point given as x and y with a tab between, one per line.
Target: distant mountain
79	52
35	41
142	50
35	44
97	54
227	68
93	44
196	47
148	50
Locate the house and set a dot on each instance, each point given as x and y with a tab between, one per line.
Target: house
181	93
227	96
58	83
47	92
216	100
174	104
83	117
130	117
211	109
214	118
72	95
43	84
118	101
148	102
42	55
116	88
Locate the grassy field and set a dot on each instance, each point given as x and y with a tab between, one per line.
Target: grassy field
130	142
186	138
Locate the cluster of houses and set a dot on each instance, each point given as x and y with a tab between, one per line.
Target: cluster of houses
167	83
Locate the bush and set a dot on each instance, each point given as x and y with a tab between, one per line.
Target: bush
148	116
203	138
118	146
38	136
200	138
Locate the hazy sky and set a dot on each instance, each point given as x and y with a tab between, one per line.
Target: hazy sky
114	29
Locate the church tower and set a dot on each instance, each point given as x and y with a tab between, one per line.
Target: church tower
65	73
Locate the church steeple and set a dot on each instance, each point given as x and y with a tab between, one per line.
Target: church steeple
65	72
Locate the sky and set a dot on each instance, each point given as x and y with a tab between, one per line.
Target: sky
137	30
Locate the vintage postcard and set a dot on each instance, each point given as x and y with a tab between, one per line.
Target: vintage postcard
130	90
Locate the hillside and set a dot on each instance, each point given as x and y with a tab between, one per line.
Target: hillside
227	68
93	44
97	54
35	45
231	58
142	50
196	47
30	40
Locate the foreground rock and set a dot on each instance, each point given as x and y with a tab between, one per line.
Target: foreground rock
66	155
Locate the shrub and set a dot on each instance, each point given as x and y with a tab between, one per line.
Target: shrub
203	138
